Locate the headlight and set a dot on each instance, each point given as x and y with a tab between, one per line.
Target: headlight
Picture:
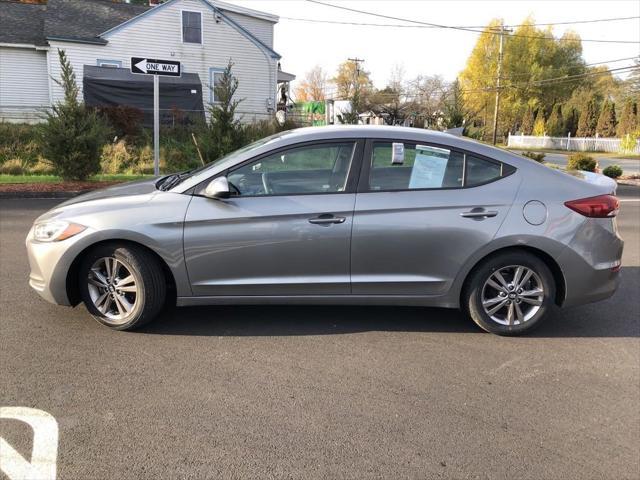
56	230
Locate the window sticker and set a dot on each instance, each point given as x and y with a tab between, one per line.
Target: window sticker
397	153
429	167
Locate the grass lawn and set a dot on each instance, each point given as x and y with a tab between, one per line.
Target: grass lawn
55	179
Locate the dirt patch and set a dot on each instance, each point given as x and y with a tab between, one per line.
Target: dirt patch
54	187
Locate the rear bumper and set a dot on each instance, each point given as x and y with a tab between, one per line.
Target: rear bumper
592	286
591	263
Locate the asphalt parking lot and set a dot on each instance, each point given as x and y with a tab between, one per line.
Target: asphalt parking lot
324	392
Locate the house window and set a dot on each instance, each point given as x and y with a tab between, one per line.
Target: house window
215	77
109	63
191	27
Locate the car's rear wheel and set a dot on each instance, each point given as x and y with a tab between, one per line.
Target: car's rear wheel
122	286
510	293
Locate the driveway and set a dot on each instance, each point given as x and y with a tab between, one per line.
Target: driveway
323	392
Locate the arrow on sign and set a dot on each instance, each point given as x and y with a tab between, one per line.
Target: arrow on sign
142	66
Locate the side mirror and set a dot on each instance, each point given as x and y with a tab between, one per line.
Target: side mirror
218	188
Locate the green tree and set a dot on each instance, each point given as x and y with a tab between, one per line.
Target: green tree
454	107
588	119
607	120
72	135
628	118
539	125
527	122
555	122
354	84
532	57
225	132
570	117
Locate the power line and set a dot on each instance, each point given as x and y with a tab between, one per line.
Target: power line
545	82
399	25
450	27
525	74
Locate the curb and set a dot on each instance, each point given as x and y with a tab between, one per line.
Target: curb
41	195
632	183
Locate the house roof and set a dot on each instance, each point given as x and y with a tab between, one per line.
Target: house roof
87	21
22	23
229	7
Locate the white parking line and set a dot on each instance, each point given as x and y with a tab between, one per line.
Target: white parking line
629	199
45	446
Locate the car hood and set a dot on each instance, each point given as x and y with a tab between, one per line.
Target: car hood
139	187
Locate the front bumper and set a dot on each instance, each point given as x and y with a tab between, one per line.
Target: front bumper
50	263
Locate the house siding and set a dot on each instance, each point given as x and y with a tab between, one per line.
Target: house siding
159	35
262	29
24	84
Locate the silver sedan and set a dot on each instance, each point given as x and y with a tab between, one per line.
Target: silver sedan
338	215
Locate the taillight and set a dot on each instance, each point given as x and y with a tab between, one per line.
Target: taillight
602	206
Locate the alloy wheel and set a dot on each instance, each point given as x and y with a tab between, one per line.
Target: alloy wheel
113	289
512	295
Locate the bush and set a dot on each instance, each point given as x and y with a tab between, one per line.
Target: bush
629	142
18	141
538	157
73	134
12	167
612	171
225	133
125	120
117	158
581	161
41	167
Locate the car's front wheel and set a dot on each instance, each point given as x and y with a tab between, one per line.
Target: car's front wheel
510	293
122	286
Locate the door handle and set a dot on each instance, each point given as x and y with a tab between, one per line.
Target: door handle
326	219
479	213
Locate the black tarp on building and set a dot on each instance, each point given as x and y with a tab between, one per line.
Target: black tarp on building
180	97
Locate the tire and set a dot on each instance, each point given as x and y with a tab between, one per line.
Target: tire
128	298
519	310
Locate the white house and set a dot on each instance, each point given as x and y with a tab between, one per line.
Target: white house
202	34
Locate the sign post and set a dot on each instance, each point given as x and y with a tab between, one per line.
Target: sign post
157	68
156	125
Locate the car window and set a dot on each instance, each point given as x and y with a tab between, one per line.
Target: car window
479	171
429	167
423	166
321	168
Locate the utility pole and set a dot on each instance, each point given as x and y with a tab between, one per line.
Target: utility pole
502	31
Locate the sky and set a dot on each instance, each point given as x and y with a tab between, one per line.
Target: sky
430	51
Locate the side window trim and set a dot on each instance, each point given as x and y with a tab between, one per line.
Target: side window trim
367	157
352	176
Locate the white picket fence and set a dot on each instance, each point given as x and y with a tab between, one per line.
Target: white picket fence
580	144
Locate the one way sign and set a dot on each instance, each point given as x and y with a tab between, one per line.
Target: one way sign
151	66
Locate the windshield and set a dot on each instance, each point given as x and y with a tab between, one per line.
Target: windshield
170	181
235	153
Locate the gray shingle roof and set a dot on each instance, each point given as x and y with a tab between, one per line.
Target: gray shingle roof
80	20
86	19
22	23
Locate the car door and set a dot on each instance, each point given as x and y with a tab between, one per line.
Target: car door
419	218
286	230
